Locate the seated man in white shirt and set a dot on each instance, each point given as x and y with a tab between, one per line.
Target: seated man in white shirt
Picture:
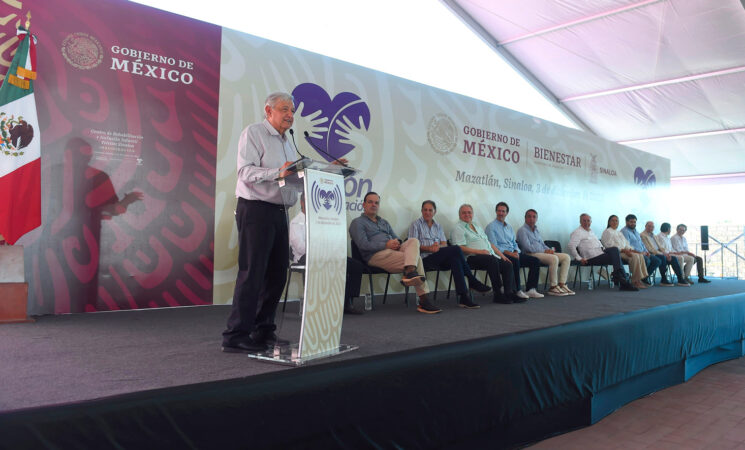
680	245
663	240
586	248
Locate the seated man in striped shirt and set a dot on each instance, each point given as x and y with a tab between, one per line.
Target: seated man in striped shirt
435	252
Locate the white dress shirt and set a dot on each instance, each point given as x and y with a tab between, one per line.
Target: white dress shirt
679	243
586	242
297	237
614	238
663	240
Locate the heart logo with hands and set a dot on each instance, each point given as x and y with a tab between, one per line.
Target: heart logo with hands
646	179
331	199
330	123
326	198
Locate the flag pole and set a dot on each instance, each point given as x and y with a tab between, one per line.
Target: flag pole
13	286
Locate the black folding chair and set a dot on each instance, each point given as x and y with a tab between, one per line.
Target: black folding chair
545	282
578	271
438	269
372	270
298	267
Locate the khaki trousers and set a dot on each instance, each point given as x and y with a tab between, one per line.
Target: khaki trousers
394	261
637	266
686	262
558	266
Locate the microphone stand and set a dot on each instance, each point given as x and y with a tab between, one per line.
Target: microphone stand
307	139
345	173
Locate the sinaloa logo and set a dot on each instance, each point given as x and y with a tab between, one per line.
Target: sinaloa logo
333	124
15	134
442	134
82	51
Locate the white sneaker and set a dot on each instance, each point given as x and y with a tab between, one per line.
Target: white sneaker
521	294
534	294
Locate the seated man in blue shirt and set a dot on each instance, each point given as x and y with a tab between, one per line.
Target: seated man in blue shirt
501	234
435	252
653	261
380	246
531	242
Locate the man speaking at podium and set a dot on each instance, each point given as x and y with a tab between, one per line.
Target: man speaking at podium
263	256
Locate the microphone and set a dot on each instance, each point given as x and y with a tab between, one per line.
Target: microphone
307	139
292	135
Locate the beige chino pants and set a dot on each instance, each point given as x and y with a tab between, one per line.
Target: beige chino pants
558	266
394	261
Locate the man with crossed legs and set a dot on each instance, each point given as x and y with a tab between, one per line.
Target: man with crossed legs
435	252
380	247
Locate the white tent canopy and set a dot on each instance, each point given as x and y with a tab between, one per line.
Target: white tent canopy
663	76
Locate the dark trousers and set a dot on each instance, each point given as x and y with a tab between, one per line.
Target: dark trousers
451	257
610	256
700	266
673	263
534	266
263	258
653	262
354	280
495	268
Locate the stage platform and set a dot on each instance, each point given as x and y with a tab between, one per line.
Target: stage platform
501	375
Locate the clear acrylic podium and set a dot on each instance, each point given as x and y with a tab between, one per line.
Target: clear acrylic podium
316	331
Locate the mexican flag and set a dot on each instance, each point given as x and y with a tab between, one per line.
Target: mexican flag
20	163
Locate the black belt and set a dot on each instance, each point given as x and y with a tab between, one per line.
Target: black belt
262	203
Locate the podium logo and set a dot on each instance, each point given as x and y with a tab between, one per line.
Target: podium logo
328	200
644	179
334	125
82	51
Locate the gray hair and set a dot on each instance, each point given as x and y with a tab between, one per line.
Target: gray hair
464	205
275	97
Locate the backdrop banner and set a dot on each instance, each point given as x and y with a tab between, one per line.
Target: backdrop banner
413	142
138	179
128	105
